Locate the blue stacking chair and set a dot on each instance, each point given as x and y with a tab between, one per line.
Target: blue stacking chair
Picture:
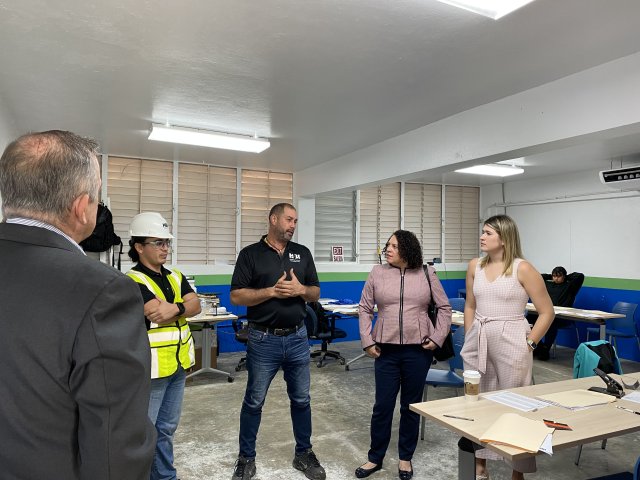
620	327
446	378
457	304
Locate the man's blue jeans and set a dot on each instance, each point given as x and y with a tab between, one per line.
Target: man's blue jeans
165	406
266	354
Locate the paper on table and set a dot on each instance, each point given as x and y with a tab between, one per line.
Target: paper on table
577	398
515	400
633	397
517	431
547	445
325	301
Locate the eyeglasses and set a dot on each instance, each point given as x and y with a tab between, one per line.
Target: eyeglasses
159	243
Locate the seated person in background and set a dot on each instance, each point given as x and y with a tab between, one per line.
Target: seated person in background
562	289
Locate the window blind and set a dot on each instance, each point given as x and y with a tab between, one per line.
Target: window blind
423	216
379	218
136	186
206	214
461	220
261	191
335	225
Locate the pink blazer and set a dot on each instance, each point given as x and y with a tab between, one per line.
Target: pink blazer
402	307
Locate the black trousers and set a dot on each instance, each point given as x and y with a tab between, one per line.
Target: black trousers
400	368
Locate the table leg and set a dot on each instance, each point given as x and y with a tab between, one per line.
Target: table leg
466	460
206	357
603	331
346	367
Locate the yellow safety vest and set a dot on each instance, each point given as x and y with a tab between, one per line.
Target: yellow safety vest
171	344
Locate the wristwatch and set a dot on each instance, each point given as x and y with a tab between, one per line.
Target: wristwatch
532	344
180	306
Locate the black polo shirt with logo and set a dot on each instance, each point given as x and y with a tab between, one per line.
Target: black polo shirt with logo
260	266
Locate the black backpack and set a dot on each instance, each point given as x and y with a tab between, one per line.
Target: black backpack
103	236
607	354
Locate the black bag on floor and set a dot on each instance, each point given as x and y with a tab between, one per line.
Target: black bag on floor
445	352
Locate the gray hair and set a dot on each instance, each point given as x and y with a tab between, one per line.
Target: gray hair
41	174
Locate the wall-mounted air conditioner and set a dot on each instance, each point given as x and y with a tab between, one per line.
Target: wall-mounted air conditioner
627	178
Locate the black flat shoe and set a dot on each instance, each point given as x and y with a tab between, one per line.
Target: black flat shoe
405	474
365	472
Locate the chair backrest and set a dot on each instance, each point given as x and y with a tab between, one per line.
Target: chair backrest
311	322
455	362
457	304
626	324
240	329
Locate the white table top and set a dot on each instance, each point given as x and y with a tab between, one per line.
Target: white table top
209	318
579	314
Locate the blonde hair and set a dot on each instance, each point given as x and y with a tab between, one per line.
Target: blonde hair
507	229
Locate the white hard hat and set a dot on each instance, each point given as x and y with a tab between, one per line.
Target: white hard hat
149	224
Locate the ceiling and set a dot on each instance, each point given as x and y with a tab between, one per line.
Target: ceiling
320	78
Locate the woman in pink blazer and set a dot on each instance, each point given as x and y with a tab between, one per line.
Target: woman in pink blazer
402	343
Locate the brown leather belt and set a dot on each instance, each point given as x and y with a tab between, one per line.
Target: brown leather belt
278	332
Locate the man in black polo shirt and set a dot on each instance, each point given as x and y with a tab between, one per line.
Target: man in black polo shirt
274	278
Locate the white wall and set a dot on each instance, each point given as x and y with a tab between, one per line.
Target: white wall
7	132
574	221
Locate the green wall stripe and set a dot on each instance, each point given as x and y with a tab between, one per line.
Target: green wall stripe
323	276
224	279
343	276
595	282
612	283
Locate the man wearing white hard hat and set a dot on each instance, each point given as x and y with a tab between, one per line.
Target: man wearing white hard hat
168	300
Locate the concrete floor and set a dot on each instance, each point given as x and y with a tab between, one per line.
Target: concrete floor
206	443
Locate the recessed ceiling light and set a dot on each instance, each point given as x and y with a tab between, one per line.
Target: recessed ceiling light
489	8
206	138
493	170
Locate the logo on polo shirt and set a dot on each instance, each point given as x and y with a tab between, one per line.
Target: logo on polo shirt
294	257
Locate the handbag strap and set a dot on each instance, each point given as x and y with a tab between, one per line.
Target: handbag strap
426	274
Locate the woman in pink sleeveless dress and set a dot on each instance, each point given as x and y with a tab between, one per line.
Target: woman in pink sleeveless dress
499	342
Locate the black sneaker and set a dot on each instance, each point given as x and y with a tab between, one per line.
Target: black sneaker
244	469
308	463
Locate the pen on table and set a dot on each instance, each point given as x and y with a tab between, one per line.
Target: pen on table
627	410
459	418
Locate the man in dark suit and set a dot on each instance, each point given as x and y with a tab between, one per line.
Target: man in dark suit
74	353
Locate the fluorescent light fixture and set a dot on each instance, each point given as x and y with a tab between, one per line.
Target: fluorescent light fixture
206	138
493	170
514	162
489	8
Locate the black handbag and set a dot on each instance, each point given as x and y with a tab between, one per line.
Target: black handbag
445	352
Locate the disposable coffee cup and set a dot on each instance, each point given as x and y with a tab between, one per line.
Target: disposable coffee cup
471	384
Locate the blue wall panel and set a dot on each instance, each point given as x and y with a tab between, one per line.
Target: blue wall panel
589	297
337	290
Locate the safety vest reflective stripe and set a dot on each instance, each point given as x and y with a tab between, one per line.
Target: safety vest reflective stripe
170	343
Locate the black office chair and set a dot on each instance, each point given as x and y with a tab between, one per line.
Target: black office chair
241	334
323	327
